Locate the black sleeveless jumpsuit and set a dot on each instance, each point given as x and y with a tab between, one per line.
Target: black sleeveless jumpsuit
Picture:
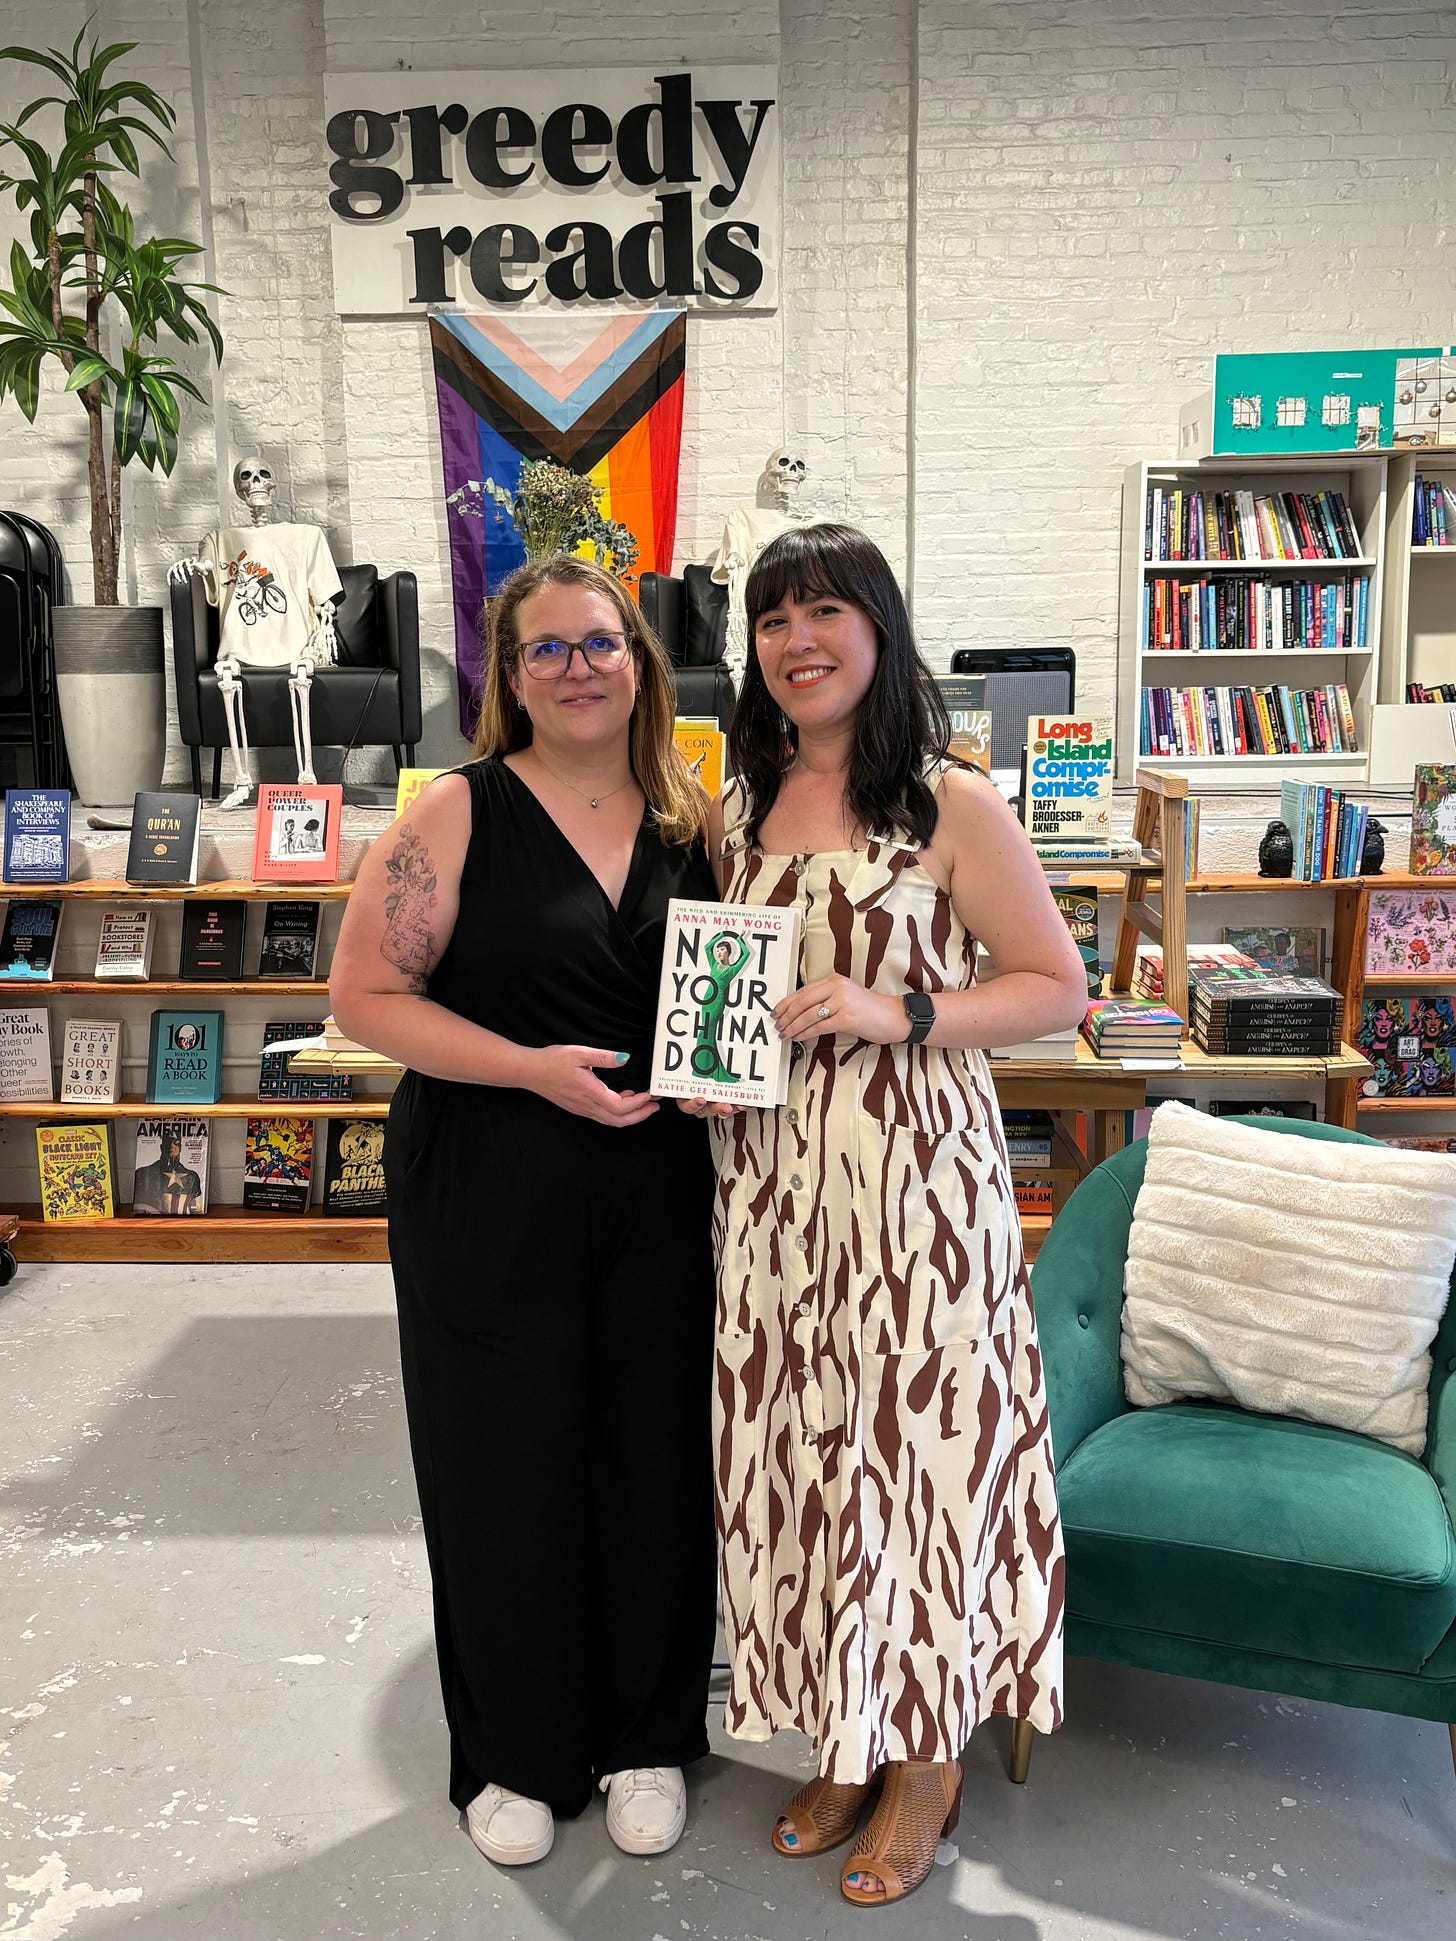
555	1288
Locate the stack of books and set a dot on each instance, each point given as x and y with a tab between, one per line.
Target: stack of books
1328	832
1277	720
1132	1027
1058	1047
1028	1135
1148	977
1248	525
1244	1014
1431	525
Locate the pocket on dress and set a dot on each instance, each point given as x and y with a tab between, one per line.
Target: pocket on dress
925	1089
941	1243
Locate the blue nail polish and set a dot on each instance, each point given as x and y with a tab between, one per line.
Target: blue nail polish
622	1056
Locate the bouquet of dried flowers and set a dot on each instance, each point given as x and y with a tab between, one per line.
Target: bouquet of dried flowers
554	511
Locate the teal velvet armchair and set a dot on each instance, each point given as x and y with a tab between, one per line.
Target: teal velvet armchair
1247	1549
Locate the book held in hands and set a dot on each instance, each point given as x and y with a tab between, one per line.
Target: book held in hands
37	835
28	941
724	968
171	1168
91	1061
125	947
166	825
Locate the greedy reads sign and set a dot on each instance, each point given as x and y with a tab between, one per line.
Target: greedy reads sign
725	967
1068	793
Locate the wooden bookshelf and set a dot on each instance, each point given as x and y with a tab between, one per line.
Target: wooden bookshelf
223	1233
41	987
230	890
236	1105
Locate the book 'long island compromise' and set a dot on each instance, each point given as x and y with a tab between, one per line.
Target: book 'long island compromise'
725	967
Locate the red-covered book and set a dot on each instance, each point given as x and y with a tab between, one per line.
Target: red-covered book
297	835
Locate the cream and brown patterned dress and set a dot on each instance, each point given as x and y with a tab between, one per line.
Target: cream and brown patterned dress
892	1557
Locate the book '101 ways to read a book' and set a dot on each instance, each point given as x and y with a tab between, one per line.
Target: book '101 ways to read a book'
725	967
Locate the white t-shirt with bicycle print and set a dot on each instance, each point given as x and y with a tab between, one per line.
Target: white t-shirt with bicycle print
266	581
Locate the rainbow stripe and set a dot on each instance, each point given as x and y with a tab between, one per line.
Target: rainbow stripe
600	398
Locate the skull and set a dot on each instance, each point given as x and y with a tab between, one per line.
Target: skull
254	484
784	473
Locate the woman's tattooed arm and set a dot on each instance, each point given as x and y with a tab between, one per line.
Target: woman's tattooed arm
407	942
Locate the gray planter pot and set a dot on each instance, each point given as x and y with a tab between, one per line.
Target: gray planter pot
112	688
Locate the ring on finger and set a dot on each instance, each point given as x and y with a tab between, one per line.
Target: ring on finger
823	1012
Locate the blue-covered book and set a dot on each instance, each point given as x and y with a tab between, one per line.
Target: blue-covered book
184	1058
37	835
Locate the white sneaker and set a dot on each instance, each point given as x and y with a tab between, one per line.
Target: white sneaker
647	1808
508	1828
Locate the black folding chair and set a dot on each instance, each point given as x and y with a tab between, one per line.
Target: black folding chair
31	585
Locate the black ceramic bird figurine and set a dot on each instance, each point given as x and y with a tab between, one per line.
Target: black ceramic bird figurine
1276	851
1372	853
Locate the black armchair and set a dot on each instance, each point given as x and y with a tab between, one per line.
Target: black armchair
370	698
690	618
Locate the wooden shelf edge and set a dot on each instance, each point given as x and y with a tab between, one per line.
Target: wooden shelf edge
229	887
37	987
232	1107
1442	1104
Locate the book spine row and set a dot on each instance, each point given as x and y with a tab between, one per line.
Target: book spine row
1418	691
1328	832
1248	525
1253	615
1279	720
1429	518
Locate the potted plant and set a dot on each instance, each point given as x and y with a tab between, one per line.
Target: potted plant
92	297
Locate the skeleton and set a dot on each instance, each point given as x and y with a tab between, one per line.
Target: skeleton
748	531
256	596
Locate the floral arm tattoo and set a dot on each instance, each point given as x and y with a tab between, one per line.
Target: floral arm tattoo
410	897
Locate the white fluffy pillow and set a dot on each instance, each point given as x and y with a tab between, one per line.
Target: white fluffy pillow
1291	1276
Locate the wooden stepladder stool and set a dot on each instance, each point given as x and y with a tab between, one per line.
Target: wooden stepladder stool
1159	824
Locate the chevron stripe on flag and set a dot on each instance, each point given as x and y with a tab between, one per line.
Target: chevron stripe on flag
600	398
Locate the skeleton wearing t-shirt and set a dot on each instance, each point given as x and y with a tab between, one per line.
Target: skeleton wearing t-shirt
274	587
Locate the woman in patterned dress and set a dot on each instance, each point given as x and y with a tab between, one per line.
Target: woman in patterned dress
891	1553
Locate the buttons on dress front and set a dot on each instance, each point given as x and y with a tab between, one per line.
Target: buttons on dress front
802	1244
795	1181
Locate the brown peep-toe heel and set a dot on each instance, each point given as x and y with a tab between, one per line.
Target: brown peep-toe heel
821	1815
919	1807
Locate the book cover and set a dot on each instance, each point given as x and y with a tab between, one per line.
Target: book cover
77	1171
25	1055
1033	1196
970	720
276	1081
170	1179
296	838
212	940
184	1058
1287	949
354	1168
28	941
1433	820
1068	792
412	782
37	835
701	745
1408	1144
1263	1109
724	968
278	1165
125	946
91	1061
1079	913
290	941
165	828
1411	931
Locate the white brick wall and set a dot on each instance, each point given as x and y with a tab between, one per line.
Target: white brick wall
1103	196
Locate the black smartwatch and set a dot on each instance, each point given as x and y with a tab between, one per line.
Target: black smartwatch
921	1013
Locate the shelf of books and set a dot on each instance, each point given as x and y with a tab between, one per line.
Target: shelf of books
1249	627
143	1112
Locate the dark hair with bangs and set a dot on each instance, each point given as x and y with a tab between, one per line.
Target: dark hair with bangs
902	725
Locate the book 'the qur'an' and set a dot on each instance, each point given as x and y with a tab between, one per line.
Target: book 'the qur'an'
724	968
165	828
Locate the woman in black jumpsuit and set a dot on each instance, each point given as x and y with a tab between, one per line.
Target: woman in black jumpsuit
553	1270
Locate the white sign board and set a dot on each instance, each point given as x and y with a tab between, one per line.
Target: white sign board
554	188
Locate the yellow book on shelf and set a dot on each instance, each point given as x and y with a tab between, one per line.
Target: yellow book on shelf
411	781
701	743
77	1171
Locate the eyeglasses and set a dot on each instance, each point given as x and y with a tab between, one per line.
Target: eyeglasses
549	660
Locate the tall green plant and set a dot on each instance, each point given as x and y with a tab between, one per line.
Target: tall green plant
88	289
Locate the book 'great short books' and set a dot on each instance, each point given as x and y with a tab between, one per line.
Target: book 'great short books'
171	1168
724	968
290	941
28	941
91	1061
296	838
354	1168
212	941
25	1055
165	827
37	835
125	947
278	1165
1067	798
77	1171
184	1058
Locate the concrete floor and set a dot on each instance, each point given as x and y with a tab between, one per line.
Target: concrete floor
219	1714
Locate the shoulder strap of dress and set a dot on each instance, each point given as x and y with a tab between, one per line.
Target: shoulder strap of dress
735	819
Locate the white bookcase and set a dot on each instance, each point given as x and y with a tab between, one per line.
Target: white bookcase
1363	480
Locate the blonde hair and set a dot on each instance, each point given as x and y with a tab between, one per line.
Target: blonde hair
674	795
